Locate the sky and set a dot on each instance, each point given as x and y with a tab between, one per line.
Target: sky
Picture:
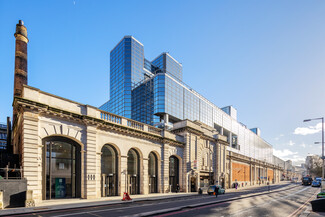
265	58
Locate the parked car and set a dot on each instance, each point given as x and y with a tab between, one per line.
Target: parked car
315	184
319	179
212	187
307	180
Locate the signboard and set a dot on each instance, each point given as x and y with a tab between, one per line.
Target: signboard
195	164
60	187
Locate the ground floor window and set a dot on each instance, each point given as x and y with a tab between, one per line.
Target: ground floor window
174	173
109	162
61	168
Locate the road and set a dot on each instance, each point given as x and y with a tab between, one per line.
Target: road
281	201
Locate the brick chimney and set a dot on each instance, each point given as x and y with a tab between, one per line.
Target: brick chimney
20	58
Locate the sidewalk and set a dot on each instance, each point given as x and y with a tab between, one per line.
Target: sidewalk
61	204
309	212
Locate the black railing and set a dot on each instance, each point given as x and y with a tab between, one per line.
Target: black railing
11	173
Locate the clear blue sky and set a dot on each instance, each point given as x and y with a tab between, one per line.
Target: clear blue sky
266	58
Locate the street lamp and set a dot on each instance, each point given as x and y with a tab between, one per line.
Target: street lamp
322	118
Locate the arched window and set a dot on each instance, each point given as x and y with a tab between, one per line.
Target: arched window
133	172
173	173
62	168
109	171
153	172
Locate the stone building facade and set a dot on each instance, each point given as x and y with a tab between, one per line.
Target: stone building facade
143	159
71	150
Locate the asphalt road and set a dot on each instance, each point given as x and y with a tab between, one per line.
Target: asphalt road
281	201
288	203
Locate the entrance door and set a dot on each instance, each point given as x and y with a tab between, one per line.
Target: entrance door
61	168
108	186
152	185
193	184
173	183
133	186
173	173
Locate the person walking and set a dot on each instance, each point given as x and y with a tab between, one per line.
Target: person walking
177	188
216	190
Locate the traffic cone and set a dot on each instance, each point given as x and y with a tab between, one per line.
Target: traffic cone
126	197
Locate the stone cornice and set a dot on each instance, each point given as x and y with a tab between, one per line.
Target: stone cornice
249	160
42	109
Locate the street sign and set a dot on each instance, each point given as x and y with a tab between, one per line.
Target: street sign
195	164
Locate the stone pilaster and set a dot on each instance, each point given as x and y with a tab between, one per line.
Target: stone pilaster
230	170
98	175
145	176
165	169
123	176
32	155
186	160
251	171
90	163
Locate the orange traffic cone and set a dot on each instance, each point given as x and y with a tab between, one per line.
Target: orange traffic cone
126	197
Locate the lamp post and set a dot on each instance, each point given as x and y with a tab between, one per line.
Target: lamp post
322	118
125	173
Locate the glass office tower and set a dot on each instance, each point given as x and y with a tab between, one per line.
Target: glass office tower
152	92
127	63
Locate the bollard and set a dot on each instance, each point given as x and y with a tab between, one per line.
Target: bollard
1	199
29	199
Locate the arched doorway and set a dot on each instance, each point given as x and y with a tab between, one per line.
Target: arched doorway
133	172
109	165
173	173
61	168
153	173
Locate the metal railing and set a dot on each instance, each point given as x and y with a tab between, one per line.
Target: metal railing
11	173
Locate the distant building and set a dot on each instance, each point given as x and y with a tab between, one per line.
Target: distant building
153	92
3	137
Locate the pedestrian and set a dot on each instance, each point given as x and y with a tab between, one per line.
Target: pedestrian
216	190
236	185
177	188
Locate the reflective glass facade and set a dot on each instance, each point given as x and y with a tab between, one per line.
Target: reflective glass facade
146	91
3	136
169	65
126	68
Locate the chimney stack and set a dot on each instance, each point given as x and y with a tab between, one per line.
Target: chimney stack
20	58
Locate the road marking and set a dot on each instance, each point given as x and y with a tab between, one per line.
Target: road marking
121	208
196	208
270	201
296	212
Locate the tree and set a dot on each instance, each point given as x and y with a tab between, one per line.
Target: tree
314	167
